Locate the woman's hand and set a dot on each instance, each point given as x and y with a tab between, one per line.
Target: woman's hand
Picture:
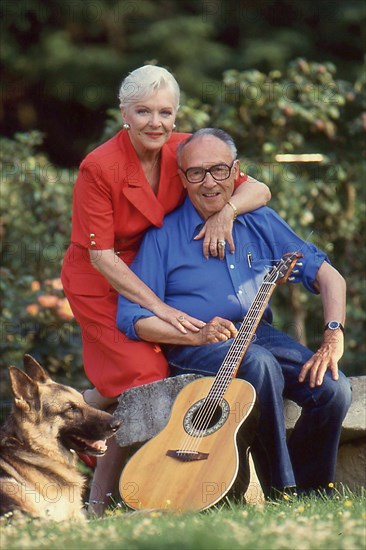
177	318
154	329
216	231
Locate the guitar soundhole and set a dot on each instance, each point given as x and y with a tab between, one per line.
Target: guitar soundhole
214	418
205	418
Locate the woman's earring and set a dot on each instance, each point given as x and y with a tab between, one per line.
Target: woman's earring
126	126
174	126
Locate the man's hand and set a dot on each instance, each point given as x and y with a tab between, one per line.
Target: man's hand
217	330
327	357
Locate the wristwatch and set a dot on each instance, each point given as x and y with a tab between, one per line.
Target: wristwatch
334	325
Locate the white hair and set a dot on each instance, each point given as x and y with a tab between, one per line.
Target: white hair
215	132
145	81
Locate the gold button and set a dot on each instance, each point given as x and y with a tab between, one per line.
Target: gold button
241	174
92	235
93	243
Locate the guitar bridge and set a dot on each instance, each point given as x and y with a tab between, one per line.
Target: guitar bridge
187	456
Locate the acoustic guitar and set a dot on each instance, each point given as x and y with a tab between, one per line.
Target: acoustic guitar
194	461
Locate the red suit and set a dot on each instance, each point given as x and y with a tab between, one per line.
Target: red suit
113	207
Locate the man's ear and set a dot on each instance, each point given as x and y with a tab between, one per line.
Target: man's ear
183	179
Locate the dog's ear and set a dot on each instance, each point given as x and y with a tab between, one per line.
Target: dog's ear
34	369
25	390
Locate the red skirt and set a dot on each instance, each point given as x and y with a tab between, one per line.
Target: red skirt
112	362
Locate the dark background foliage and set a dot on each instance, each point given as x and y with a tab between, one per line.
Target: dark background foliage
63	60
283	77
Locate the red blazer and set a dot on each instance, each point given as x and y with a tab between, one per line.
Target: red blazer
113	202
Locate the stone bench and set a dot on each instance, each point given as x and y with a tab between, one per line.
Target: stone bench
145	410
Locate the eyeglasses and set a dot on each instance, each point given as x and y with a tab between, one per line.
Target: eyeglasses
219	172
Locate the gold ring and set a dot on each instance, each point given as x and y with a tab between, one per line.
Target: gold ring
221	243
181	318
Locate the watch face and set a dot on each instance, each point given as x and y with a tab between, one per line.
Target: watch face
333	325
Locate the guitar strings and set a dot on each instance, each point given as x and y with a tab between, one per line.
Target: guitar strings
223	378
224	375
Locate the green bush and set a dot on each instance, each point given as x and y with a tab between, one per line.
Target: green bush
35	221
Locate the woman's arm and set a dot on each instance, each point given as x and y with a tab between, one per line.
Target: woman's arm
248	196
153	329
125	282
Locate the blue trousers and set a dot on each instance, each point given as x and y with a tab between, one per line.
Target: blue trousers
272	364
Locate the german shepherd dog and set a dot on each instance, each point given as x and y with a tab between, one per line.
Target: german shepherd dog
48	422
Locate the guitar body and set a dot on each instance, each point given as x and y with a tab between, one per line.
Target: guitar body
190	465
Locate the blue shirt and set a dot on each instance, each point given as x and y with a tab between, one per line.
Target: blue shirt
171	263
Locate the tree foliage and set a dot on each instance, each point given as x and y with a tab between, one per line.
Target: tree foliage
64	59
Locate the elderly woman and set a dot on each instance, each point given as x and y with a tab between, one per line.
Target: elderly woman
125	186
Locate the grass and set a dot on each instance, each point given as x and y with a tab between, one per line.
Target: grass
319	522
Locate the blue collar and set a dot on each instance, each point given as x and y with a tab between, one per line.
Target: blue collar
194	222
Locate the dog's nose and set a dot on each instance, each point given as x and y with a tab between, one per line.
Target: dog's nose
115	424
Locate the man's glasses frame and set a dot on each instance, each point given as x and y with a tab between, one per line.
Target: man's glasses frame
214	171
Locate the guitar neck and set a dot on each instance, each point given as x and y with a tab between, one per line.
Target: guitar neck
238	348
248	327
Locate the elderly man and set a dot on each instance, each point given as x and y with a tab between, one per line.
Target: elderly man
220	290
